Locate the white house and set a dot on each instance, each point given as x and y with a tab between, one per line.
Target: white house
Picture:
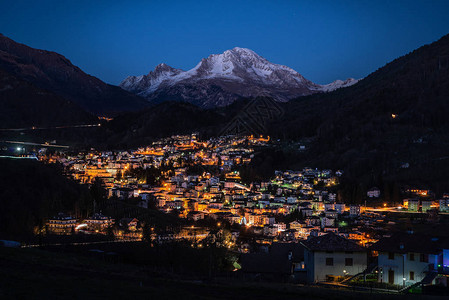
408	258
331	255
329	206
354	210
426	205
444	205
281	226
373	192
98	222
327	222
292	200
340	207
306	212
413	204
295	225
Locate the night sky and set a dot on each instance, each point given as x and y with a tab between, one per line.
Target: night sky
322	40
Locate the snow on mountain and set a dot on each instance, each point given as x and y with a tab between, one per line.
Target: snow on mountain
338	84
220	79
150	82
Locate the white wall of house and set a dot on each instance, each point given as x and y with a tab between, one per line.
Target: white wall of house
402	265
317	268
446	258
354	210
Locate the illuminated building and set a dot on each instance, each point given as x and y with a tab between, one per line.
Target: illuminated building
61	224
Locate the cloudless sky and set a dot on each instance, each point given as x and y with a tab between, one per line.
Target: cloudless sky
322	40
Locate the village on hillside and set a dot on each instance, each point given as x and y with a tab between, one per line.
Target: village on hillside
292	227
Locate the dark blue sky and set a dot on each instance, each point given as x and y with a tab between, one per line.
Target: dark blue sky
322	40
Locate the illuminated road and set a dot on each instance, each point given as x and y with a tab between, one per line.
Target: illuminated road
35	144
397	210
18	157
198	237
79	243
47	128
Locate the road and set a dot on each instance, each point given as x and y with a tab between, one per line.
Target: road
47	128
78	243
35	144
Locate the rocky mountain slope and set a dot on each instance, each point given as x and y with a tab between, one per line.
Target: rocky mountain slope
223	78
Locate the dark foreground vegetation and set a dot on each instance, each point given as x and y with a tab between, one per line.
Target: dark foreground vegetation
31	192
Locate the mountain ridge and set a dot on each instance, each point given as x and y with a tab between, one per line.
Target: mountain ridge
22	104
220	79
54	72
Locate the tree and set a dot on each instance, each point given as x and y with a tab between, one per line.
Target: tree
118	177
147	232
97	191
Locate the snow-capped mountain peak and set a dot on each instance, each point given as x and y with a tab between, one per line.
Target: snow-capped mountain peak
160	68
220	79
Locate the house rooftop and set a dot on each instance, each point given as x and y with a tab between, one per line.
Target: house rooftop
62	216
412	242
331	242
98	216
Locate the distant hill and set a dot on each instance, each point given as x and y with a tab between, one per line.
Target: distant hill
162	120
52	71
398	113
